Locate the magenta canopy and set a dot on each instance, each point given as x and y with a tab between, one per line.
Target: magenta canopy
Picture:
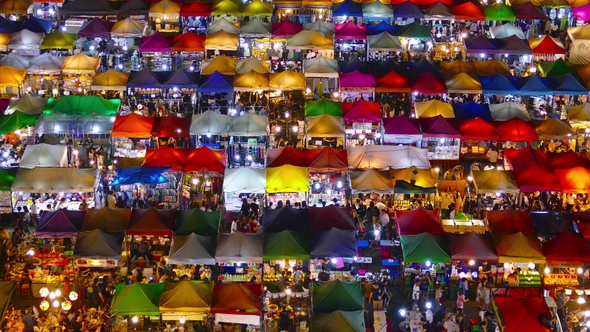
401	125
156	43
96	28
287	27
357	80
361	111
582	13
350	31
439	127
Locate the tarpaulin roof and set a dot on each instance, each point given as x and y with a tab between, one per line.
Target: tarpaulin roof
385	42
171	126
350	31
192	249
533	170
463	83
106	219
401	125
472	246
439	126
551	223
499	12
412	222
140	174
509	111
567	84
469	11
286	245
403	187
425	247
83	8
80	64
58	40
137	299
371	181
324	126
565	160
557	68
165	7
428	83
284	28
553	129
99	244
156	43
11	77
244	180
392	82
507	30
528	11
579	114
83	105
255	27
216	82
480	44
328	296
15	121
251	81
248	125
310	40
355	65
419	177
285	219
151	221
8	26
494	181
386	157
522	313
127	28
35	24
110	80
200	159
333	243
361	111
288	156
15	61
7	288
414	30
321	26
456	67
567	247
223	25
338	321
478	130
546	45
574	180
237	298
286	179
509	221
54	180
347	8
519	248
209	122
438	11
407	10
287	80
60	223
239	248
181	79
328	159
145	79
533	85
246	65
377	9
221	41
44	155
135	7
26	104
375	29
196	9
356	80
497	84
323	106
186	298
226	7
326	218
472	110
133	126
198	222
257	8
45	64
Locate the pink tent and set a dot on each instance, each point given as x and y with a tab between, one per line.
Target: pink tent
156	43
287	27
582	13
439	127
350	31
361	111
357	81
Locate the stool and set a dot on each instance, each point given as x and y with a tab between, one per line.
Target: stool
25	290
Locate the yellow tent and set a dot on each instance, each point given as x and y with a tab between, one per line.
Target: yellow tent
417	176
110	80
518	248
251	81
11	77
19	7
310	39
127	28
579	54
287	179
463	83
287	80
257	8
223	64
224	25
226	7
371	181
165	8
252	63
324	126
80	64
221	41
58	40
432	108
491	67
456	67
4	40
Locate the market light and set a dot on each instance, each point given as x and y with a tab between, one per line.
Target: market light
66	305
63	28
329	191
120	66
249	157
402	312
288	291
56	304
437	169
470	178
336	94
355	258
295	129
428	263
238	264
44	292
287	114
320	16
361	137
44	305
57	293
73	295
499	168
308	90
442	140
532	266
208	135
164	66
134	319
191	68
278	129
587	313
547	270
581	300
580	270
91	47
237	157
31	252
317	186
52	295
125	48
333	260
376	232
378	135
533	69
182	320
75	152
195	181
463	34
472	262
279	92
428	305
339	184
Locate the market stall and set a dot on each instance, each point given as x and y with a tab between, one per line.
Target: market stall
402	130
7	176
324	130
26	104
387	157
239	181
509	221
60	224
287	182
566	250
44	155
192	249
54	180
131	134
422	248
285	219
516	248
337	305
371	181
532	170
137	299
237	303
97	248
412	222
551	224
188	299
333	243
25	42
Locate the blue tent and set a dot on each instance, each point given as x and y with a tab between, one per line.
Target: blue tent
216	82
333	243
354	65
497	84
533	85
407	10
425	66
8	26
182	79
375	29
146	79
471	110
348	8
140	174
36	25
567	84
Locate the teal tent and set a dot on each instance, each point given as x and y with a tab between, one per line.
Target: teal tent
424	247
329	296
198	222
137	299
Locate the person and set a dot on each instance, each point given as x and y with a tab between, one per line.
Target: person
254	207
96	297
143	249
34	213
492	156
306	282
461	299
120	203
111	200
83	205
562	299
323	276
416	291
384	219
486	297
28	319
234	226
376	297
77	323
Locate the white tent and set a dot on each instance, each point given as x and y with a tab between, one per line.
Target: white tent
324	126
44	155
210	123
377	9
494	181
385	42
252	63
248	125
244	180
223	25
46	64
25	40
509	110
54	180
371	181
580	37
506	30
192	249
26	104
386	157
321	26
255	28
579	115
320	67
14	60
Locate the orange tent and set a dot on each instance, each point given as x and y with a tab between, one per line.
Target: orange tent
188	42
574	180
133	126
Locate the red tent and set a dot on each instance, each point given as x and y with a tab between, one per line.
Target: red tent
133	126
532	170
326	218
392	82
477	129
151	221
423	2
287	27
510	221
286	156
465	247
574	180
567	247
583	221
361	111
517	130
565	160
171	126
327	160
428	83
350	31
188	42
548	45
196	9
401	125
522	313
438	126
413	222
186	160
236	298
469	11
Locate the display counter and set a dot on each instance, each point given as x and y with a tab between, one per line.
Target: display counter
125	147
561	279
474	150
464	226
442	148
524	279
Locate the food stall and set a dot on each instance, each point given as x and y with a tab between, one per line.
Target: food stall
240	255
131	135
402	130
287	182
365	118
243	182
566	255
522	256
187	300
138	300
441	137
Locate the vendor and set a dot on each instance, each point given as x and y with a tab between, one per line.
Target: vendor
486	271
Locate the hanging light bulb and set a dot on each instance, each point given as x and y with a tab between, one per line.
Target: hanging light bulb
182	320
317	186
339	184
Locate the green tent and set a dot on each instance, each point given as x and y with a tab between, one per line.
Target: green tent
414	30
557	68
82	105
15	121
6	290
323	106
189	298
286	245
7	177
137	299
340	321
425	247
198	222
328	296
499	12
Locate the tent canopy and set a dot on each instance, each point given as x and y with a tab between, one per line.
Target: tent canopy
478	130
7	288
94	8
25	40
216	82
472	110
546	45
251	64
407	10
567	247
494	181
244	180
221	41
579	114
133	126
15	61
165	8
54	180
95	27
553	129
361	111
522	313
357	81
326	218
310	40
287	80
186	298
286	245
323	106
439	126
137	299
223	25
350	31
44	155
321	26
99	244
377	9
419	177
107	220
192	249
45	64
509	221
188	41
140	174
371	181
80	64
508	111
518	248
187	160
469	11
7	176
58	40
110	80
412	222
198	222
151	221
26	104
209	122
255	27
403	126
324	126
257	8
157	42
286	179
12	77
550	224
533	170
237	297
499	12
472	246
248	125
60	224
384	42
424	247
338	321
387	157
333	243
127	28
285	219
507	30
463	83
83	105
171	126
226	7
516	130
285	28
428	83
428	109
328	296
392	82
347	8
497	84
239	247
17	120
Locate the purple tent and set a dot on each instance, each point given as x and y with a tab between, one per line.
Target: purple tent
96	28
513	45
156	43
528	11
582	13
357	81
480	44
60	224
407	10
216	82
